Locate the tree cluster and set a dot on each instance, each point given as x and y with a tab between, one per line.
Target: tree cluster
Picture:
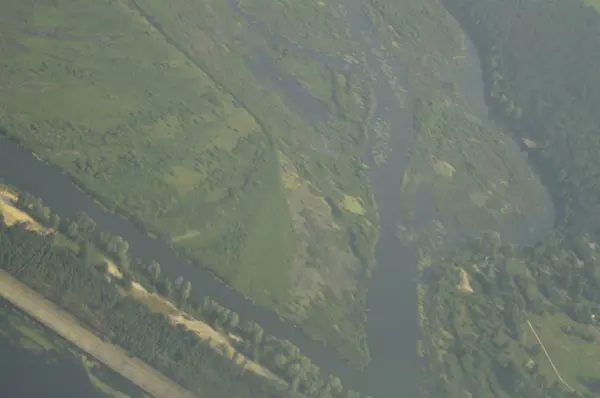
280	356
60	275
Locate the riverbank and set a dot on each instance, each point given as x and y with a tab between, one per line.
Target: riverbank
218	341
185	149
69	328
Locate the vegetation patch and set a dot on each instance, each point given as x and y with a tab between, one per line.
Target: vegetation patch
316	24
353	205
477	178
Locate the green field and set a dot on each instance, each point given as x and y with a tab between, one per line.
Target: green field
574	358
151	107
593	3
315	24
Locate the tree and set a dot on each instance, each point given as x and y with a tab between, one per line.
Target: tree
313	381
334	384
297	374
86	252
37	207
233	321
46	214
164	287
222	316
177	284
24	201
186	290
352	394
154	271
86	225
127	280
55	222
280	360
254	331
207	304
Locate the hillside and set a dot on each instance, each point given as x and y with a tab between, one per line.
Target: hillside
525	323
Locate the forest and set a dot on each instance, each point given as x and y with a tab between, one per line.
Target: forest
506	321
80	250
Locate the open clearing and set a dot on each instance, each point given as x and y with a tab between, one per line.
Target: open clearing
575	359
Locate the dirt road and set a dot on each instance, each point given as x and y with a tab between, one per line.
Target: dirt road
50	315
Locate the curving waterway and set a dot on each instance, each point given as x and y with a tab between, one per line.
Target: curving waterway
393	320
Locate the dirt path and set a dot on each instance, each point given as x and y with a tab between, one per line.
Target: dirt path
548	356
45	312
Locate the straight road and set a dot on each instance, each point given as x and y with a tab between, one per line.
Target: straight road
64	324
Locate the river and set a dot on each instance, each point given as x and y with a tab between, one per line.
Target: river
393	318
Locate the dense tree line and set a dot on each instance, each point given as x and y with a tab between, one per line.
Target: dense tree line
476	340
60	275
280	356
540	61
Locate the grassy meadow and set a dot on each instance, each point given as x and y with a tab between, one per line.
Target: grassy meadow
152	108
315	24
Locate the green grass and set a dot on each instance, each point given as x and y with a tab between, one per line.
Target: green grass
35	336
143	127
342	91
90	366
593	3
149	104
575	358
314	23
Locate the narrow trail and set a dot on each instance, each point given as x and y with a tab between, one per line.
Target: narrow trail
549	359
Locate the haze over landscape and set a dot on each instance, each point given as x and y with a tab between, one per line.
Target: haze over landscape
329	199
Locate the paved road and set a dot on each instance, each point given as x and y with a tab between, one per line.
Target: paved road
45	312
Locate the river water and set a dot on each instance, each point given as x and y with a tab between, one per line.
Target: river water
392	300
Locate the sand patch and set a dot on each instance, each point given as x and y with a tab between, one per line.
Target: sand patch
12	215
353	205
443	168
529	143
465	282
216	340
191	234
183	179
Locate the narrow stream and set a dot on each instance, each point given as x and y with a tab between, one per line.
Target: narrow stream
393	318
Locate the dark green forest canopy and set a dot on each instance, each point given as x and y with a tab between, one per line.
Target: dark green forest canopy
540	62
